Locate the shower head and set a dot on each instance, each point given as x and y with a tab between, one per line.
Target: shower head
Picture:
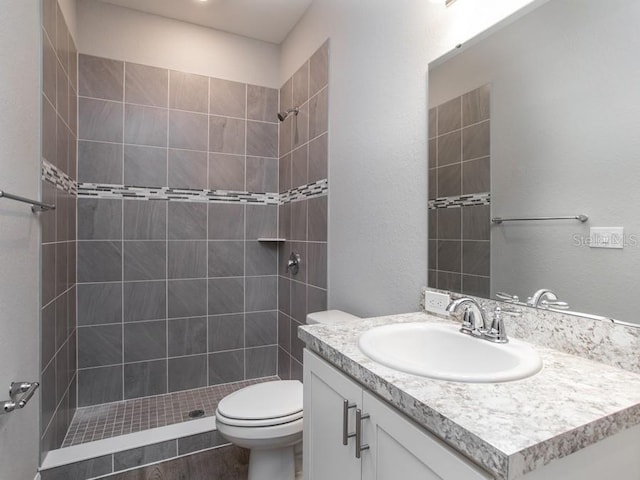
283	115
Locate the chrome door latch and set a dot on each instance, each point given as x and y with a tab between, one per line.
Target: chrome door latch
23	390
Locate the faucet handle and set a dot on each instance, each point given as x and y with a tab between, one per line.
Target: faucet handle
554	304
545	298
471	324
468	320
497	333
507	297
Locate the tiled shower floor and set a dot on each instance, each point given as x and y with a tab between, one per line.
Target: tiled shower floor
128	416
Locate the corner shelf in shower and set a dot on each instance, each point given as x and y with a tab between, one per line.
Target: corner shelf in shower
270	239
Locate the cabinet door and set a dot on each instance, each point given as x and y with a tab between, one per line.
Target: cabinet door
325	389
400	449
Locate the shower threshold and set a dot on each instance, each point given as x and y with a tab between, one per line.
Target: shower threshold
108	438
108	420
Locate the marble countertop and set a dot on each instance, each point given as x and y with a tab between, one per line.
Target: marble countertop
508	428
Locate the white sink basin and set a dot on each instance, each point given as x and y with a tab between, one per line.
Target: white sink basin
440	351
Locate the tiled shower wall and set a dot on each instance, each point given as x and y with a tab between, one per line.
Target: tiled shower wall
58	282
177	293
303	161
459	178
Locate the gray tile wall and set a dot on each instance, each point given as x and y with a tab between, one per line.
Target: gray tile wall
459	164
58	227
303	160
174	295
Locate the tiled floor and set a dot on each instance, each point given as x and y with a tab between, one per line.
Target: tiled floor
119	418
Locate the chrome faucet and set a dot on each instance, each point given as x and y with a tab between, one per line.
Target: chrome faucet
474	321
545	298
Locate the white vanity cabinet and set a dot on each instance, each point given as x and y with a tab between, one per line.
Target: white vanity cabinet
397	447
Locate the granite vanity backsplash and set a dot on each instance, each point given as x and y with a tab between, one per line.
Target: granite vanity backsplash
607	342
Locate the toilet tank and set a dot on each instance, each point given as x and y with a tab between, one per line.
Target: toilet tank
329	317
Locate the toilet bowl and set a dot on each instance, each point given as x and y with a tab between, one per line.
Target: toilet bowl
267	418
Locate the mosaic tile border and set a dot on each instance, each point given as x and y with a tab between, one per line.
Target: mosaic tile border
460	201
62	181
96	190
59	179
311	190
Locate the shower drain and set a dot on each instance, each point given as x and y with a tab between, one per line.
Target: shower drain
196	413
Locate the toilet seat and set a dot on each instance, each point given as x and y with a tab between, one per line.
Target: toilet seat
286	433
262	405
265	422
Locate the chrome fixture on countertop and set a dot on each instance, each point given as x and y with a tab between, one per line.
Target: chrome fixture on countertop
507	297
474	321
545	298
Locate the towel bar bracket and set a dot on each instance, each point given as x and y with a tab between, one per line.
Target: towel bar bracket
35	205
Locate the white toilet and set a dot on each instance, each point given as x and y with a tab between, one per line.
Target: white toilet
267	418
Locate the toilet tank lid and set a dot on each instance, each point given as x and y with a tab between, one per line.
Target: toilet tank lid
329	316
262	401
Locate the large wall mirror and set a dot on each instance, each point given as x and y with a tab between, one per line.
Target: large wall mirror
540	118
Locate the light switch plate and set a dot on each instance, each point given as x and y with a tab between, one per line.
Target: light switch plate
436	302
606	237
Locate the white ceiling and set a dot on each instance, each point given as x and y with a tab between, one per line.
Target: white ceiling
267	20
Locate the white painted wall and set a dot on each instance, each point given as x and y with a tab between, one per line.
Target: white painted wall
123	34
19	230
565	139
377	129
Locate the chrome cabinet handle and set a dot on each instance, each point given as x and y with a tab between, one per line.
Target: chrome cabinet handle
346	406
359	446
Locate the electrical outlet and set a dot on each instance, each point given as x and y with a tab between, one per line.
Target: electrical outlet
606	237
436	302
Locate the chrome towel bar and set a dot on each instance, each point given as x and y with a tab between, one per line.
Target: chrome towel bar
36	206
581	218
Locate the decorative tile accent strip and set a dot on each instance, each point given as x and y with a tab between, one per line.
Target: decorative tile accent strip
97	190
55	176
61	180
316	189
460	201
